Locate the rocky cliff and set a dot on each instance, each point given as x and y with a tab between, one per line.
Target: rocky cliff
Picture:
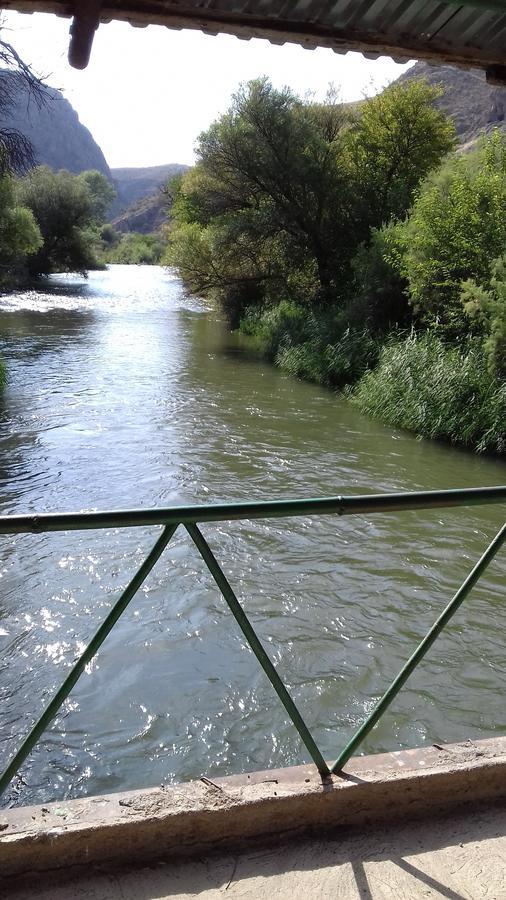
474	105
59	139
140	204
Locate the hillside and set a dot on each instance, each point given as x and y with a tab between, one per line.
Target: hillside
473	104
59	139
136	183
145	215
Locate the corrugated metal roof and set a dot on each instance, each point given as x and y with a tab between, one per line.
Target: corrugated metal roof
462	32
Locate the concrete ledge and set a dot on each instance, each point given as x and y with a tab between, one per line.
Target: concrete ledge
207	815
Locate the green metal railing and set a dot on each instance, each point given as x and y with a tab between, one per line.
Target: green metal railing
190	517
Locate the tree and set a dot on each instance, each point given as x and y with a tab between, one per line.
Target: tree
102	193
399	137
269	184
16	151
19	233
285	191
64	210
458	226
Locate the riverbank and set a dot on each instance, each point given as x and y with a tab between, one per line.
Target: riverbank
354	245
437	390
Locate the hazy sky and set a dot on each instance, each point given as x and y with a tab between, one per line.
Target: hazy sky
148	93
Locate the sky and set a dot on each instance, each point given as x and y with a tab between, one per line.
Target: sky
148	93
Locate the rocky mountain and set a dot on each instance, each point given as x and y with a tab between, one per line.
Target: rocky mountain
136	183
145	215
59	139
474	105
140	204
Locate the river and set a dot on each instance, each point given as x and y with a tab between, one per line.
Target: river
124	393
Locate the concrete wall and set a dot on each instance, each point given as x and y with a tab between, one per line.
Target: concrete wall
208	815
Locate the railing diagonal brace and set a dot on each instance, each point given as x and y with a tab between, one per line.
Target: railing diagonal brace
421	650
87	655
257	647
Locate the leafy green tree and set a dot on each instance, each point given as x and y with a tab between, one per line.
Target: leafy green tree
64	210
458	226
19	233
268	173
489	308
109	236
284	191
102	193
399	137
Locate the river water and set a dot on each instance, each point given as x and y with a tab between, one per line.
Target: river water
124	393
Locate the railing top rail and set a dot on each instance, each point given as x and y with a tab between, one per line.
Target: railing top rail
272	509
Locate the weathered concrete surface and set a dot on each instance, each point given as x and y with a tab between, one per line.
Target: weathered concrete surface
205	815
462	857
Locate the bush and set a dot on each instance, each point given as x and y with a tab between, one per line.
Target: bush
456	229
489	307
380	291
278	327
310	344
334	364
438	392
134	249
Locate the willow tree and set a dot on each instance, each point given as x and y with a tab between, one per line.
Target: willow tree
286	190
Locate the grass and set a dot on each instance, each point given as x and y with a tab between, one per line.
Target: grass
437	391
311	344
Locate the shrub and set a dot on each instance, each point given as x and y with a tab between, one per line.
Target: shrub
438	392
489	307
457	227
135	249
334	364
277	327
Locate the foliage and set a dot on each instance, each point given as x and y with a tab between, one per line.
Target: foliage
438	392
19	233
285	191
109	236
379	289
311	344
336	364
102	193
135	249
279	327
398	138
66	212
457	227
489	307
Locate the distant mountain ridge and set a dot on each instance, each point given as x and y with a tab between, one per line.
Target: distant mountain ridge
59	139
140	204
